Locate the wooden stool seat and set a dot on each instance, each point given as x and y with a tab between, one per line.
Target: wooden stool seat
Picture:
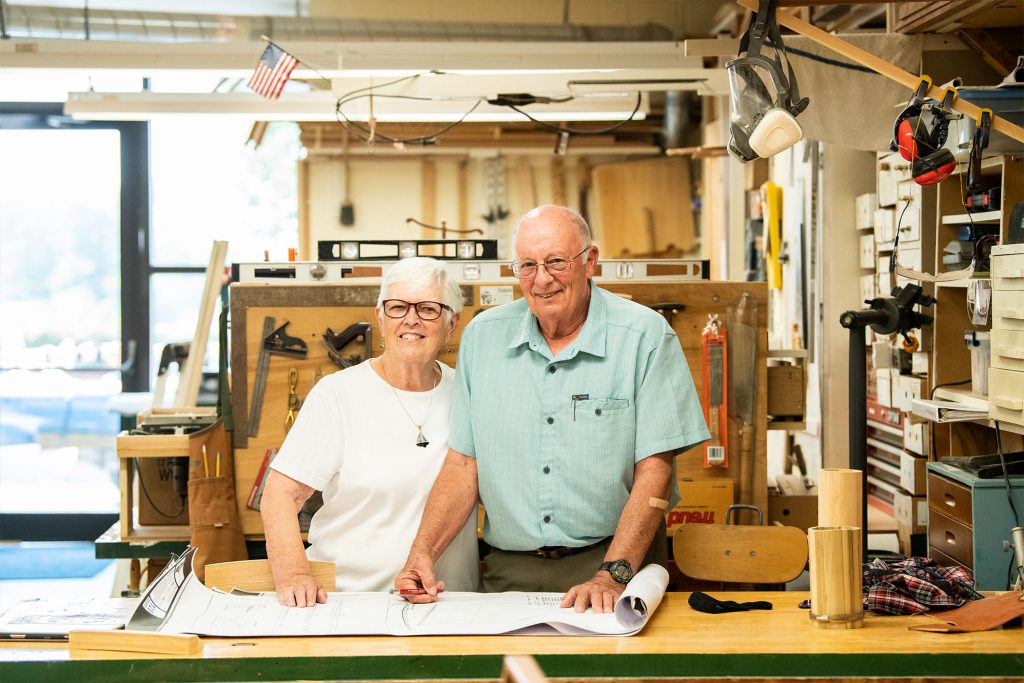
740	554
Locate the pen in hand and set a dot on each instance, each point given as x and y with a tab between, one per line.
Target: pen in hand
412	591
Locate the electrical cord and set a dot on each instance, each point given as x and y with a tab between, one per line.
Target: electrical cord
162	513
369	133
581	131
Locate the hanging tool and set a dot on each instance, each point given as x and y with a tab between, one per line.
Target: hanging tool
274	341
713	349
336	341
668	310
742	324
294	402
771	199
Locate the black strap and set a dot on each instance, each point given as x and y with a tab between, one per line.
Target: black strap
702	602
764	30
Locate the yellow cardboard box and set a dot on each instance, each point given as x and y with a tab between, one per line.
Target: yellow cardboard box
700	502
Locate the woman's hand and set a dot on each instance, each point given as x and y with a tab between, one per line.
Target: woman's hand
300	590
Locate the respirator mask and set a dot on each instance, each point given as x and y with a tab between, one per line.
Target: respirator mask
763	93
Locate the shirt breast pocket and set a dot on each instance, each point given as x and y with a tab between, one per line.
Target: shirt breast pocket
610	421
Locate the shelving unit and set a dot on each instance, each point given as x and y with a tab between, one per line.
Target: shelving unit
926	220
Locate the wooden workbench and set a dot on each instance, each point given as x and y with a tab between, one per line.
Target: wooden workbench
678	643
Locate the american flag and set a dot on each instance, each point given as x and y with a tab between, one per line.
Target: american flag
272	72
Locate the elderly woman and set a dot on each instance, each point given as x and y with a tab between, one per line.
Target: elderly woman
372	437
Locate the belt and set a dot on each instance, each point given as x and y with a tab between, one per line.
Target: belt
557	552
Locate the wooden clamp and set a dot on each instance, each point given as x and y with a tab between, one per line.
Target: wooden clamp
887	69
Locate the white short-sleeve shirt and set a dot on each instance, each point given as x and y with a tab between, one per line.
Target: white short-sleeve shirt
353	441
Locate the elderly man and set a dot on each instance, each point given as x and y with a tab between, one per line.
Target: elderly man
569	406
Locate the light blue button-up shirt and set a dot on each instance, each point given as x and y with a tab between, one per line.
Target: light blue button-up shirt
556	438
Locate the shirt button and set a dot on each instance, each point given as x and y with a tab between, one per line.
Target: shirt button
547	470
547	518
597	411
551	369
551	420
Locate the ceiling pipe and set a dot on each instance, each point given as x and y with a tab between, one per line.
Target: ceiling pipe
41	22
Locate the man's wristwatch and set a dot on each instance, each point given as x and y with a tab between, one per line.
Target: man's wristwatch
619	569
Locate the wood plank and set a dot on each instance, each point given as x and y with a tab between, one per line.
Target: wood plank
136	641
256	575
635	195
307	250
192	370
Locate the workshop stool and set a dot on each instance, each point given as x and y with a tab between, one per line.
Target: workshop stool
740	554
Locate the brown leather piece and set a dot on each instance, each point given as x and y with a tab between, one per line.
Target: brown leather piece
979	615
212	508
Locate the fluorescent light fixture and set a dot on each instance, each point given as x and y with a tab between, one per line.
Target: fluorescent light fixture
555	84
320	106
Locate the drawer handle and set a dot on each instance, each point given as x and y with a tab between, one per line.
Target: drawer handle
1014	313
949	500
1010	352
950	538
1008	403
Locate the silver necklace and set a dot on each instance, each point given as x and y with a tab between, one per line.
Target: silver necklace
421	440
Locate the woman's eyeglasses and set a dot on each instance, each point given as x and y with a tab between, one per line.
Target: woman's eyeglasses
557	265
426	310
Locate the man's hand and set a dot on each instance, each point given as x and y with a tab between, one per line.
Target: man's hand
418	573
600	593
300	590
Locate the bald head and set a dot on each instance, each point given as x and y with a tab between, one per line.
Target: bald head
555	217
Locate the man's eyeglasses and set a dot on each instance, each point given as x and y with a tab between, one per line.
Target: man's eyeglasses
426	310
528	269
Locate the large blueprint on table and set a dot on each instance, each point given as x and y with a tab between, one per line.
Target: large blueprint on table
177	602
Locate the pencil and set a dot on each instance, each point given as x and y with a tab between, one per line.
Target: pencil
217	465
206	465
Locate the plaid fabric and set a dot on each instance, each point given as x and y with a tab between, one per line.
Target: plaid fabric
915	585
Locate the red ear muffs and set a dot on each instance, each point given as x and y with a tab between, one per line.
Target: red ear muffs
903	136
933	168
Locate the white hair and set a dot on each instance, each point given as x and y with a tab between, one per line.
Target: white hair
425	272
586	236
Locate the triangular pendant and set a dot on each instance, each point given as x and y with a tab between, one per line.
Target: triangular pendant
421	440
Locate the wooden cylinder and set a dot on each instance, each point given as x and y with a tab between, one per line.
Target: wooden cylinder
840	498
835	559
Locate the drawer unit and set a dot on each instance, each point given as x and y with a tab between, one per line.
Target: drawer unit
949	498
1008	310
968	520
1008	350
1006	395
1007	268
950	537
884	228
910	227
867	251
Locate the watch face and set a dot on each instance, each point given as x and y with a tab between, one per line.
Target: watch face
620	570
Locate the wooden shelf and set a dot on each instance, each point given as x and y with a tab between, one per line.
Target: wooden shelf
980	217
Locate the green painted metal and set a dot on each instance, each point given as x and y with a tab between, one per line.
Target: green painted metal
457	667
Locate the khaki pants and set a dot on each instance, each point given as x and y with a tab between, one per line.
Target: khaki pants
511	571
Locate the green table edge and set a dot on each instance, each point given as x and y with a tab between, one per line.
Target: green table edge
489	666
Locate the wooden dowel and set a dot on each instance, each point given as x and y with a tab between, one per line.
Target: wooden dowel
840	497
836	580
887	69
136	641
